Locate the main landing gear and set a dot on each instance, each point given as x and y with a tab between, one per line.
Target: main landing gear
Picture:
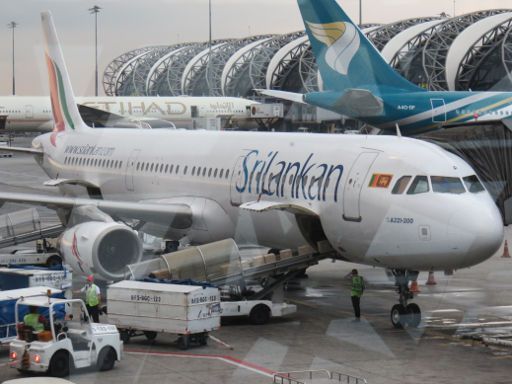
405	314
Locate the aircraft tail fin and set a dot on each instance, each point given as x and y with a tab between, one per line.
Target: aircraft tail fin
345	57
66	116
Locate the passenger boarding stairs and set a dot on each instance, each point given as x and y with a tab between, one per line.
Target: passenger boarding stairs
23	226
319	376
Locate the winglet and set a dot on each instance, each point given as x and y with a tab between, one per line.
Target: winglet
64	107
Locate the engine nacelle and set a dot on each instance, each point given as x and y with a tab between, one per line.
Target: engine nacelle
103	249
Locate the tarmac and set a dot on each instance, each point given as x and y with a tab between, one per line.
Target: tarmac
322	334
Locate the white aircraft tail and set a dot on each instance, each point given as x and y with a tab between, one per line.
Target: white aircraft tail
64	108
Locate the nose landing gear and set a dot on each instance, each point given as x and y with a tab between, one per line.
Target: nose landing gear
405	314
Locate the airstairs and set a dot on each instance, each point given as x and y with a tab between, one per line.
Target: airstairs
23	226
319	376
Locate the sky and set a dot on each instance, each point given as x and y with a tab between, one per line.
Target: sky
124	25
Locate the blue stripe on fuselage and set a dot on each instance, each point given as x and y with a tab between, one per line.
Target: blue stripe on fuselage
413	111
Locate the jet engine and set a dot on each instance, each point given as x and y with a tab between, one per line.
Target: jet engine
103	249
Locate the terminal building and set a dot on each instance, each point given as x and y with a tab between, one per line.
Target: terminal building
467	52
471	51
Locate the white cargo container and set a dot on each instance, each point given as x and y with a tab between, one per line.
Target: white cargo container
190	311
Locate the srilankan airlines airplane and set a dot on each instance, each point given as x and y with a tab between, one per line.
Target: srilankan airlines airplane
391	202
359	83
34	113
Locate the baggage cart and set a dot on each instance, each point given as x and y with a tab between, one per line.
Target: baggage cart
148	308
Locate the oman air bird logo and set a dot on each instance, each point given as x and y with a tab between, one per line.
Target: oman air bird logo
342	42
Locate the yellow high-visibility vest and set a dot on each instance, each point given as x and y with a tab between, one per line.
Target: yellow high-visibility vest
91	297
32	320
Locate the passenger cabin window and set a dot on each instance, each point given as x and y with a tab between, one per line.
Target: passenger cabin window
441	184
419	185
401	185
473	184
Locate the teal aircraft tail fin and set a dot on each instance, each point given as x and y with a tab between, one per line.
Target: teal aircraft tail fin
345	57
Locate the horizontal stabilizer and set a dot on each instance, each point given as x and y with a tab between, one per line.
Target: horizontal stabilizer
265	206
360	102
290	96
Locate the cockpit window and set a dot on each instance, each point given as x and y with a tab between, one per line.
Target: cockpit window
419	185
401	185
473	184
441	184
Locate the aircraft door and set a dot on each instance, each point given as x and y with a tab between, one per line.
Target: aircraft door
438	110
130	169
3	122
354	185
29	111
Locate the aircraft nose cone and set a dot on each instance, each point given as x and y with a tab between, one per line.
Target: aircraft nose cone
478	231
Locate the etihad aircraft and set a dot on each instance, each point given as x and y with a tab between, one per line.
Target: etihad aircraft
359	83
34	113
391	202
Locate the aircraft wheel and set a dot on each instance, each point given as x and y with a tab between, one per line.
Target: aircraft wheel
398	316
414	315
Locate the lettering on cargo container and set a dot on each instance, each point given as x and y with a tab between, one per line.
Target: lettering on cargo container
146	298
48	278
204	299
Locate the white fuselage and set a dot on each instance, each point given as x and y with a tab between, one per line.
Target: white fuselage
327	177
33	113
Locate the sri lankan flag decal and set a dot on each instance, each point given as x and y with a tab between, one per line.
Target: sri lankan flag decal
380	180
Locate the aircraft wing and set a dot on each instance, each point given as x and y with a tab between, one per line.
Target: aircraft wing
30	151
290	96
175	214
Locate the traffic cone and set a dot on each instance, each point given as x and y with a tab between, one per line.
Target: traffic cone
431	279
505	250
414	287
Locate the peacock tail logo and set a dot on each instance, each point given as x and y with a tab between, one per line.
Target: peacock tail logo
342	41
60	111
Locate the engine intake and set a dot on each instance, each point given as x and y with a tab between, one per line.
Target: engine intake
103	249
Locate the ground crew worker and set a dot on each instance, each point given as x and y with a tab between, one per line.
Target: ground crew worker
92	299
31	319
356	293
